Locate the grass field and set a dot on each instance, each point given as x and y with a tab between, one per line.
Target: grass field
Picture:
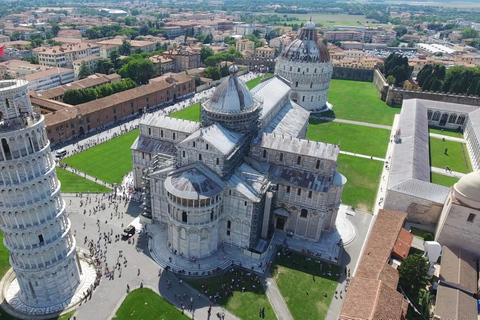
354	138
363	177
254	82
109	161
454	158
446	132
244	305
73	183
146	304
190	113
442	180
294	282
359	101
330	20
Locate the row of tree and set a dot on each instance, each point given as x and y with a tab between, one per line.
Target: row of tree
78	96
458	79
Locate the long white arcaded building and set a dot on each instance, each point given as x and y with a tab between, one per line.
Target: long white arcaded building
32	213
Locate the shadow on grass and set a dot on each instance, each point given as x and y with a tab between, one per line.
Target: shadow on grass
237	290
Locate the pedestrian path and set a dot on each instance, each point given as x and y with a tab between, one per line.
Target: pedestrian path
441	136
359	123
444	172
362	155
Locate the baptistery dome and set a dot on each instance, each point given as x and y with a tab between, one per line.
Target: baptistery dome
232	105
305	62
467	189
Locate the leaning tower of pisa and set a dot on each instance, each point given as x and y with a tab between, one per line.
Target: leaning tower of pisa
35	227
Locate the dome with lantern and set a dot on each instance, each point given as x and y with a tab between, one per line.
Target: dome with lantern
305	62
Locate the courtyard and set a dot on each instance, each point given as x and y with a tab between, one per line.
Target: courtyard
353	138
456	157
359	101
241	292
146	304
442	179
73	183
308	285
191	113
109	161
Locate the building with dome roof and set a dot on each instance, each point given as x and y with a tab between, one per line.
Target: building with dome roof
243	172
459	223
305	62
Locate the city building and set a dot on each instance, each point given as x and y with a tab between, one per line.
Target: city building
64	55
334	36
90	62
184	58
265	52
244	29
249	154
305	62
244	45
145	46
34	224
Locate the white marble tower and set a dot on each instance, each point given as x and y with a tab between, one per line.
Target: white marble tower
35	227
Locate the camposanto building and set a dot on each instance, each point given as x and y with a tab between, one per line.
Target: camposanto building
35	227
241	172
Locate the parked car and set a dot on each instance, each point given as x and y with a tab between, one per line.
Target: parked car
128	232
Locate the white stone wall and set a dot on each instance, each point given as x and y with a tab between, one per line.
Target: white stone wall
238	210
32	213
191	151
473	145
309	81
456	230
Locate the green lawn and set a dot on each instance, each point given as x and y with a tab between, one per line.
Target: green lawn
419	232
190	113
456	157
442	180
446	132
359	101
363	177
73	183
294	282
244	305
146	304
109	161
254	82
353	138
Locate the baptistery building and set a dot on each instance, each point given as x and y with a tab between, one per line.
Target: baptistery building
243	171
305	62
36	230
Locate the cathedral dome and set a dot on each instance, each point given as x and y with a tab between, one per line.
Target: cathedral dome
307	47
232	95
192	184
467	189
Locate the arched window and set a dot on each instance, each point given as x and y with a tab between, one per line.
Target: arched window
183	153
218	161
436	116
299	160
317	165
149	131
6	149
184	216
161	133
453	118
183	233
281	156
461	119
174	136
194	144
429	114
304	213
199	157
206	146
204	234
229	226
264	154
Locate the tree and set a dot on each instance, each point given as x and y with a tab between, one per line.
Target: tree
104	66
84	71
213	73
205	52
143	30
55	29
139	70
391	79
413	275
125	48
397	66
469	33
400	30
115	58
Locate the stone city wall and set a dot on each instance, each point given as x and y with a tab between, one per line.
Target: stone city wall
395	97
380	84
355	74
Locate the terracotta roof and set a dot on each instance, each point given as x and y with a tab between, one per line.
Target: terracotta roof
107	102
50	105
403	243
452	303
371	299
380	243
